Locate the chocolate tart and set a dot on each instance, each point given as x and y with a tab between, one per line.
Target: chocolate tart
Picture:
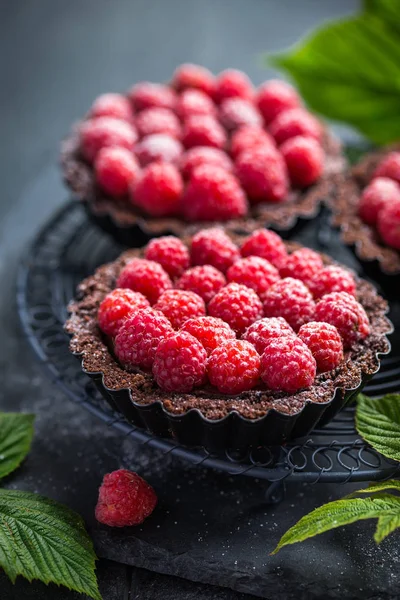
205	417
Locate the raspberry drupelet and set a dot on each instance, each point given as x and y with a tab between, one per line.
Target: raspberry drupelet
203	130
287	365
158	147
146	277
116	170
289	298
158	190
194	102
213	247
112	105
389	167
248	137
264	330
254	272
237	305
231	84
117	306
210	331
325	344
158	120
274	97
104	132
237	112
263	175
204	280
348	316
332	279
170	252
381	192
179	306
389	225
203	155
147	95
304	158
234	367
303	264
193	77
294	122
266	244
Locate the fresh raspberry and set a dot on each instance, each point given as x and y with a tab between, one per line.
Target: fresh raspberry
293	122
237	112
203	130
262	173
389	167
204	155
254	272
344	312
381	192
146	95
158	120
213	195
204	280
193	76
275	96
266	244
117	306
194	102
146	277
234	367
304	160
112	105
210	332
125	499
170	253
289	298
116	170
158	147
249	137
325	344
138	338
261	332
180	363
287	365
232	83
389	225
303	264
237	305
332	279
179	306
159	189
213	247
103	132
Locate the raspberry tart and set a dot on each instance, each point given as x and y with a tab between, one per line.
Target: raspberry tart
228	341
201	149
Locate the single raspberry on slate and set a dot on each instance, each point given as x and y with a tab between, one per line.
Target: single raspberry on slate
261	332
116	170
381	192
263	175
203	130
170	253
210	332
303	264
146	277
248	137
325	344
213	247
238	112
231	84
293	122
204	280
332	279
158	190
344	312
194	102
125	499
138	338
158	120
266	244
204	155
234	367
112	105
389	225
274	97
237	305
254	272
304	160
179	306
117	306
158	147
287	365
146	95
289	298
102	132
180	363
193	76
389	167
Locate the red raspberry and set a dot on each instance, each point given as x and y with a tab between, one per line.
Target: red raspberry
104	132
146	95
237	112
138	338
116	170
203	130
204	155
117	306
194	102
158	147
159	189
275	96
304	160
170	253
325	344
237	305
193	76
146	277
293	122
213	195
389	167
381	192
332	279
210	332
213	247
234	367
262	173
254	272
389	225
261	332
266	244
344	312
112	105
249	137
179	306
287	365
289	298
232	83
303	264
204	280
125	499
158	120
180	363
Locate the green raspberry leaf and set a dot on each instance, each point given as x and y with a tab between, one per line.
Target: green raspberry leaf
373	488
16	433
378	422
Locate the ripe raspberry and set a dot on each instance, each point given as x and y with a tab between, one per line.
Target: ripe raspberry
213	247
293	122
204	155
237	112
210	332
116	170
344	312
231	84
158	120
138	338
273	97
112	105
180	363
179	306
389	225
213	195
193	76
325	344
304	160
204	280
194	102
266	244
159	189
146	277
332	279
303	264
104	132
289	298
116	307
203	130
237	305
170	253
262	173
261	332
381	192
146	95
125	499
389	167
158	147
234	367
287	365
249	137
254	272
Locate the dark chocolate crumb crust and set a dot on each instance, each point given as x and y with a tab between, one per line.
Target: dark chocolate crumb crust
97	357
